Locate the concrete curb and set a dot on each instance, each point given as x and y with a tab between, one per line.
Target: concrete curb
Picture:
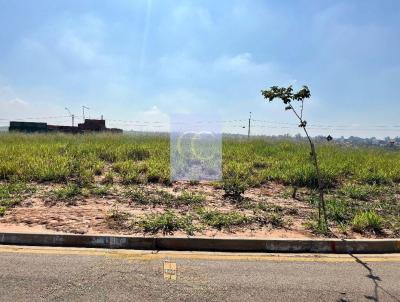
360	246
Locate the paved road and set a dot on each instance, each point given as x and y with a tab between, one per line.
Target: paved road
43	274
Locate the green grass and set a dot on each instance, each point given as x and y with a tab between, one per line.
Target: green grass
339	211
12	193
361	191
141	159
221	220
274	219
368	221
99	190
358	179
161	197
167	223
66	193
189	198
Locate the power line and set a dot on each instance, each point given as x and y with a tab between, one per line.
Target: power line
235	123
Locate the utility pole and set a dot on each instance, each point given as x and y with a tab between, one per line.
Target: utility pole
248	133
72	116
83	112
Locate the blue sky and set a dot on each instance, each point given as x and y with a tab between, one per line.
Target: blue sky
146	60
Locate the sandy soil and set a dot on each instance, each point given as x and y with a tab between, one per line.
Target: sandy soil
88	215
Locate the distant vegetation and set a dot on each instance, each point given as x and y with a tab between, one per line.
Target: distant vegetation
142	159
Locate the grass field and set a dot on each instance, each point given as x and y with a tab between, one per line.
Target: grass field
362	183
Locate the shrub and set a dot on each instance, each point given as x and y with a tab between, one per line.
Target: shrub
367	221
234	187
236	179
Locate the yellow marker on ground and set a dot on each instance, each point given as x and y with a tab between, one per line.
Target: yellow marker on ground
169	270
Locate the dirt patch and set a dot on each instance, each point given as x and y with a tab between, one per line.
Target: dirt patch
263	212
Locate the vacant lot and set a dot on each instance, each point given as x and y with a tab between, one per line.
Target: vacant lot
120	184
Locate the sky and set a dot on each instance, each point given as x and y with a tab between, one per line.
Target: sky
140	62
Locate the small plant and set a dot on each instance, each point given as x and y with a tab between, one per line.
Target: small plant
2	210
220	220
138	196
68	192
85	177
99	190
157	197
314	226
274	219
235	180
234	187
117	219
12	193
368	221
108	178
338	211
360	192
189	198
130	178
167	222
160	197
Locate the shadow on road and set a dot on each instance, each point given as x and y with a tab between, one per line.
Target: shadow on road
375	279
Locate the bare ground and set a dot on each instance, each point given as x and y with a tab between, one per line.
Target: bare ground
88	214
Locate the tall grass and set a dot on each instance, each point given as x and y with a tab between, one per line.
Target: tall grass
138	159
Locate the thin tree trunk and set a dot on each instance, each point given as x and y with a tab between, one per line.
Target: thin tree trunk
320	182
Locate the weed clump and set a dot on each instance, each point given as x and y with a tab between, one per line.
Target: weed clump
68	193
160	197
167	222
99	190
190	198
360	192
2	210
108	178
338	211
368	221
11	194
117	219
220	220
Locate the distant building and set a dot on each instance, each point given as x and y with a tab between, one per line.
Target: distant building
28	127
89	125
93	125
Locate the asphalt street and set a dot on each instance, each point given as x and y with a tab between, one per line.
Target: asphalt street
67	274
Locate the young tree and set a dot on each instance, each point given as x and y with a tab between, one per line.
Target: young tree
289	98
